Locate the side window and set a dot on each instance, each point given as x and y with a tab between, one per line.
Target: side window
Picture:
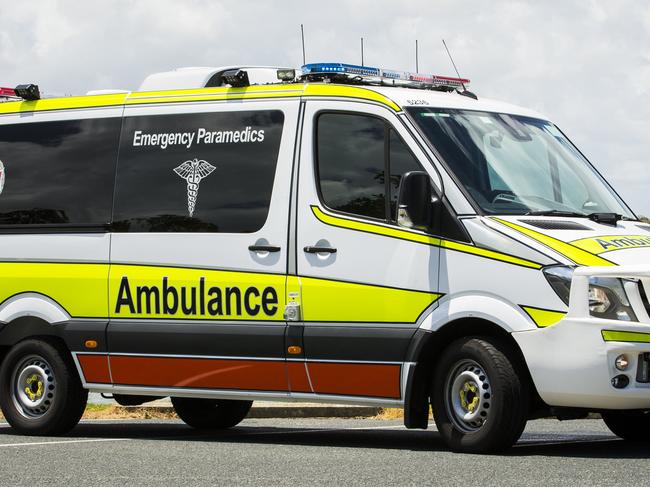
206	172
58	172
351	163
401	162
354	154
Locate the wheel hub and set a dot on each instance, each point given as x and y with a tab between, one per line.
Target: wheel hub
468	396
33	387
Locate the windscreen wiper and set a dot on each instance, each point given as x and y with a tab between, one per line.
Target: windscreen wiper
558	213
605	218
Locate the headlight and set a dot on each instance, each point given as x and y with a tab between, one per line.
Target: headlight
607	297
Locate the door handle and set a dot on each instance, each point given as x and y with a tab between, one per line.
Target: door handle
264	248
319	250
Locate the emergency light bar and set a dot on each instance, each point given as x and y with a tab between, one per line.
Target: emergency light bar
378	76
8	93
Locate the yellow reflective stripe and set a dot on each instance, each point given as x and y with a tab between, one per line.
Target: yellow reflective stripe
349	92
222	296
377	229
207	94
199	94
579	256
625	336
81	289
65	103
608	243
334	301
543	317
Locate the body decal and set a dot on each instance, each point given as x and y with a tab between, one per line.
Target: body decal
625	336
571	252
193	172
543	317
403	234
608	243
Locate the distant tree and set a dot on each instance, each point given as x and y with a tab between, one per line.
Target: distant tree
644	219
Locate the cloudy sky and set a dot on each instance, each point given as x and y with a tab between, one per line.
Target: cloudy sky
584	63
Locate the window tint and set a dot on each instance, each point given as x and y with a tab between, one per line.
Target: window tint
208	172
354	152
351	163
58	172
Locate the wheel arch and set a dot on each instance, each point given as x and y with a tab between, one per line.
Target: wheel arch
425	350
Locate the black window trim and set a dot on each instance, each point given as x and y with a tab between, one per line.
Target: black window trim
385	221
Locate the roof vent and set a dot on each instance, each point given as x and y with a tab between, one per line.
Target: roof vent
555	225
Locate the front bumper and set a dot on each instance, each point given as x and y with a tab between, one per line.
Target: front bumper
572	362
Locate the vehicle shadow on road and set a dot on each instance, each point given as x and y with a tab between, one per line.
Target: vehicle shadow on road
578	446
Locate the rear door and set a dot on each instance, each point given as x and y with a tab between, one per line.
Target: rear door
198	257
365	282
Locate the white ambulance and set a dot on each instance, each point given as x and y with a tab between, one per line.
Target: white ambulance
341	233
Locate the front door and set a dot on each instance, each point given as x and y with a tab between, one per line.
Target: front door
198	257
365	282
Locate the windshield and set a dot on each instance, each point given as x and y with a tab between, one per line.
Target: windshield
516	165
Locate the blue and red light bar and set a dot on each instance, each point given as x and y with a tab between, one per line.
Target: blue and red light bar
8	92
384	76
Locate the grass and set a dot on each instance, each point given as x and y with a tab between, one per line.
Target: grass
110	411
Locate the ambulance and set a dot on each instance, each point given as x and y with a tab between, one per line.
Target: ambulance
337	233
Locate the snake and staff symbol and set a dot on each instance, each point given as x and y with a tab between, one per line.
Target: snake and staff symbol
193	172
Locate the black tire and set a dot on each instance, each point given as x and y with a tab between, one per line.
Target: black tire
629	425
481	373
211	414
56	399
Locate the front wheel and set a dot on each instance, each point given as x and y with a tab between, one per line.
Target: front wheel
480	402
629	425
40	391
211	413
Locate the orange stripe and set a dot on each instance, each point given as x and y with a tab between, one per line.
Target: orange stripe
95	368
266	375
371	380
298	380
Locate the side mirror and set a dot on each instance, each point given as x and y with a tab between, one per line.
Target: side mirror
415	201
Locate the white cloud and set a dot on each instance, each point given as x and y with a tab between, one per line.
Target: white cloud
586	64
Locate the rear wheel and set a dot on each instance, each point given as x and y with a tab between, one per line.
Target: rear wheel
40	391
480	403
211	413
629	425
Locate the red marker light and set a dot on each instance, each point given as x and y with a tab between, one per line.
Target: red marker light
9	92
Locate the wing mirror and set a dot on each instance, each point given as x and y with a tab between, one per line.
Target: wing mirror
415	203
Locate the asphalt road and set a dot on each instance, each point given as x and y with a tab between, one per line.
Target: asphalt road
296	452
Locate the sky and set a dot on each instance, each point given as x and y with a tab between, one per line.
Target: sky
583	63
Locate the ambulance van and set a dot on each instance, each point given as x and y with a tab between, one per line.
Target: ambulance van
338	233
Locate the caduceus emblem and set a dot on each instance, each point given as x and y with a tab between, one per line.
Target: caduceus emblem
193	172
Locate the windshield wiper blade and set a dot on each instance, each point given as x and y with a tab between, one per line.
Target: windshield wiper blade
557	213
605	218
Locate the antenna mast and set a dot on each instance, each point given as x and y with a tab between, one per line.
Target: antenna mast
362	51
453	63
417	65
302	35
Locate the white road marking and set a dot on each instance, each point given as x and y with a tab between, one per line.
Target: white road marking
41	443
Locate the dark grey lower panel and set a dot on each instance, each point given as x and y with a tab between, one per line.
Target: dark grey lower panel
356	342
228	339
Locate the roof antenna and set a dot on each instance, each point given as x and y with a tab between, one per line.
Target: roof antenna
302	35
362	51
464	92
417	65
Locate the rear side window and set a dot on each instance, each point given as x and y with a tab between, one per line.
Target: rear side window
207	172
354	155
58	173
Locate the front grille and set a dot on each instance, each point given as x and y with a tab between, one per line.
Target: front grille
643	369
